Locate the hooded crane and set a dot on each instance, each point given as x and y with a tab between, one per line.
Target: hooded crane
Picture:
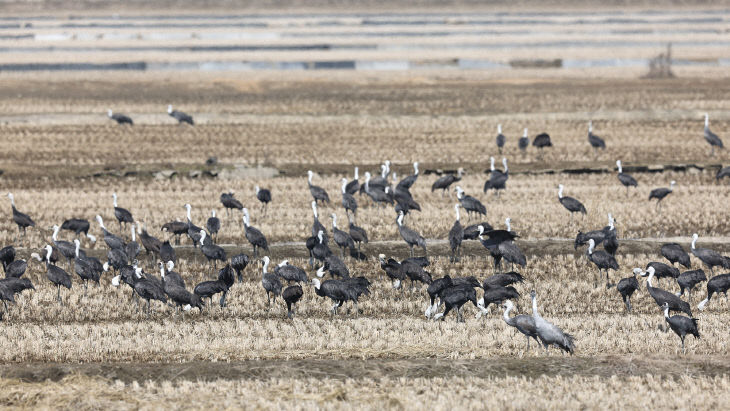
502	280
470	204
500	140
358	234
112	241
341	291
548	333
712	139
77	225
411	237
177	228
317	226
393	270
56	274
132	248
150	243
625	179
408	182
335	266
342	238
318	193
501	245
523	142
595	141
610	243
213	224
681	325
496	296
660	193
438	286
6	295
66	248
497	179
717	284
167	253
239	263
16	269
414	269
570	203
688	280
377	194
444	182
662	297
184	299
602	260
7	256
207	289
83	269
122	214
456	235
119	117
348	200
211	251
662	270
709	258
179	116
290	273
354	185
455	297
264	197
541	141
627	286
291	296
22	220
270	282
675	254
254	236
523	323
193	230
149	288
230	203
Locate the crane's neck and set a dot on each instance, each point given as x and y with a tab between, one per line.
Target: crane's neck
245	220
620	169
134	234
590	247
202	237
506	313
491	163
344	186
314	209
560	192
356	173
188	213
55	233
114	196
504	163
508	223
162	271
534	305
334	220
266	266
456	208
648	280
415	168
78	245
524	133
49	250
320	237
707	121
666	312
590	126
499	128
400	219
384	172
694	242
309	179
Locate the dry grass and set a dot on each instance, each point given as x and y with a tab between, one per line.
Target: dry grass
644	392
697	205
107	326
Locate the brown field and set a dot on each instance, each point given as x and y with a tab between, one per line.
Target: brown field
63	158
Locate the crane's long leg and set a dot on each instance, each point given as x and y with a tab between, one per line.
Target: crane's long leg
58	296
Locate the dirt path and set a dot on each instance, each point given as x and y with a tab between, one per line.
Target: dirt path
411	368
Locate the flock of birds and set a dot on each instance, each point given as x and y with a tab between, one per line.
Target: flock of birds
323	246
